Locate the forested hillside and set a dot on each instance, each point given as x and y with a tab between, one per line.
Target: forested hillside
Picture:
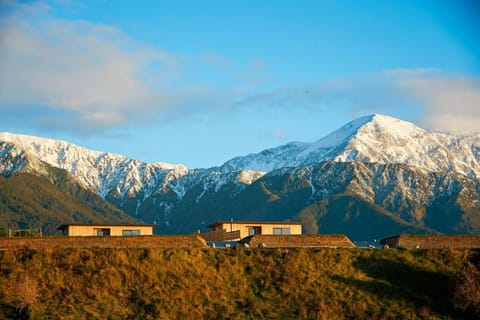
31	201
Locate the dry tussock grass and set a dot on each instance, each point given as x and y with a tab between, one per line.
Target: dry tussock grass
195	283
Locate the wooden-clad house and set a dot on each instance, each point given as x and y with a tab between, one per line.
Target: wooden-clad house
236	230
75	230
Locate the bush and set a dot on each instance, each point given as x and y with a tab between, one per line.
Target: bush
467	290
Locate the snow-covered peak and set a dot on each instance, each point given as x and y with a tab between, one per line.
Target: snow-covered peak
375	139
381	124
374	125
101	171
341	135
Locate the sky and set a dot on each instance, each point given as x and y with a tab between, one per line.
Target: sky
200	82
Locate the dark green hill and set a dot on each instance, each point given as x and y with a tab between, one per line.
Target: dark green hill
356	217
31	201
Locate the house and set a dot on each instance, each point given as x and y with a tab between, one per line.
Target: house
434	241
74	230
236	230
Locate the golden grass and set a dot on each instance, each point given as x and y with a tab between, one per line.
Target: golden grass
308	240
187	241
195	283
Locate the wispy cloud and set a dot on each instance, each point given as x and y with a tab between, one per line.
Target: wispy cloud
433	98
450	103
80	76
276	134
217	60
92	72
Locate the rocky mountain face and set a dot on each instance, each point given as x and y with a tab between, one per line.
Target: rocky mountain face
375	176
375	139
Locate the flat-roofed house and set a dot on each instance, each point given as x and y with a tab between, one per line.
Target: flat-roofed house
236	230
75	230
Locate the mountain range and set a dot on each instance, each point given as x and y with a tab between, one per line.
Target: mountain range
373	177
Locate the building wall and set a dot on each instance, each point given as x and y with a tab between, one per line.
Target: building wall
267	229
114	230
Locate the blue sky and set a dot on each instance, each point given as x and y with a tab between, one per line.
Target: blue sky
199	82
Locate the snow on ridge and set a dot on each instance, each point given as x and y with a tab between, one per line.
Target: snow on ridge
340	135
373	124
390	140
100	171
247	177
375	138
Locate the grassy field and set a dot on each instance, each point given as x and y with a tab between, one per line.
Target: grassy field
48	243
196	283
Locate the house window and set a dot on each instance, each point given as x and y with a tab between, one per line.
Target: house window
254	230
281	231
130	232
103	232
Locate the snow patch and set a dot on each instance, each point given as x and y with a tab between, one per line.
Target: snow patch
247	177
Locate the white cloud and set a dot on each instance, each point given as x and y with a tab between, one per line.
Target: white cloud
81	76
93	72
433	98
450	103
363	94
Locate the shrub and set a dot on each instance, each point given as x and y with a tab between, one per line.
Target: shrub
467	290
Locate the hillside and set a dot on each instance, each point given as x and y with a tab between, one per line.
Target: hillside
31	201
99	283
373	177
374	139
363	201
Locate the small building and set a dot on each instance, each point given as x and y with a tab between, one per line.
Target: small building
236	230
433	241
75	230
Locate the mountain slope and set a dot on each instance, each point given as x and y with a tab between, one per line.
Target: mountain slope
364	201
31	201
375	139
101	172
374	176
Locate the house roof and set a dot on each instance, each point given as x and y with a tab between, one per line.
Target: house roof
253	223
65	226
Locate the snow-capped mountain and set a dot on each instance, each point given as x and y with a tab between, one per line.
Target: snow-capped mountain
375	139
377	170
129	184
99	171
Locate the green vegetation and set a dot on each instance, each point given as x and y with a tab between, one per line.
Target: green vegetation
30	201
155	283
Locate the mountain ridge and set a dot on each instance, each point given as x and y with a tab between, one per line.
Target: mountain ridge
382	170
375	138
